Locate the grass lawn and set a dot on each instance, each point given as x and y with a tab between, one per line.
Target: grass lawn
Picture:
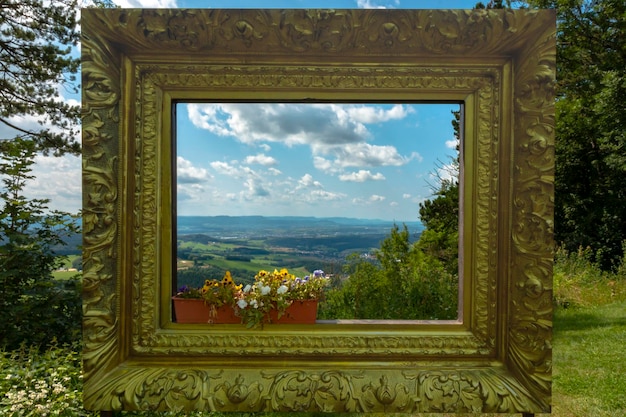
589	375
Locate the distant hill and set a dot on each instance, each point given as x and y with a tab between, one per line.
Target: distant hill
281	226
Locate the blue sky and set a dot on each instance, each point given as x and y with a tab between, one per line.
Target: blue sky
356	160
59	179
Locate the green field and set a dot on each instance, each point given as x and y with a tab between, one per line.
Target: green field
67	263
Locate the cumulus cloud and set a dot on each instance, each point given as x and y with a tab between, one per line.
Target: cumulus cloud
225	168
260	159
370	114
327	195
363	155
186	192
291	124
254	188
57	179
187	173
376	198
147	4
307	181
452	143
316	125
368	4
361	176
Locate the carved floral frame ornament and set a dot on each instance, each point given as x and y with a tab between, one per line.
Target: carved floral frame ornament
496	357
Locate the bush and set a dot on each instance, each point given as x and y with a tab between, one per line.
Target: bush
50	312
580	282
41	383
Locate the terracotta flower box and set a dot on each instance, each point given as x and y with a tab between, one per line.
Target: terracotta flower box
193	311
299	312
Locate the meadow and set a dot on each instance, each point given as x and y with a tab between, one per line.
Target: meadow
589	357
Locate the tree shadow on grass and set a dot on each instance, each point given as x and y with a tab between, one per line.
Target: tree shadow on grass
584	319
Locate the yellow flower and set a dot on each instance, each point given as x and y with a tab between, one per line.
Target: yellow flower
227	280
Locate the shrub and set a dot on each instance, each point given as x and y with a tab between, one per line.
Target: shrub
45	383
580	282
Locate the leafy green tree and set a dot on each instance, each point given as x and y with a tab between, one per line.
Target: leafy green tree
590	126
34	309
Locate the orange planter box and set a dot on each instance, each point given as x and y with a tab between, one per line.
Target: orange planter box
193	311
299	312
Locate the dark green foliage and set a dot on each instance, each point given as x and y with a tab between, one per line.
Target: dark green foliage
440	215
195	276
34	308
591	126
400	283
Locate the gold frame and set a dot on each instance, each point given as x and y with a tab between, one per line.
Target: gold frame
499	63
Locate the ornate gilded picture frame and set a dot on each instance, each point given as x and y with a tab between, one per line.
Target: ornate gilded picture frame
499	64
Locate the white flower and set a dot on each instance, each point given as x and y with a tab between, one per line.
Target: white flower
264	289
254	303
247	288
282	289
242	303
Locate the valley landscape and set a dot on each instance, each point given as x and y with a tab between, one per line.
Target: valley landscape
207	246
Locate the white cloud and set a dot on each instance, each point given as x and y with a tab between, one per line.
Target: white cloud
147	4
225	168
370	114
324	164
189	192
307	181
367	4
254	188
315	125
452	143
59	180
187	173
361	176
260	159
327	195
366	155
376	198
406	196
